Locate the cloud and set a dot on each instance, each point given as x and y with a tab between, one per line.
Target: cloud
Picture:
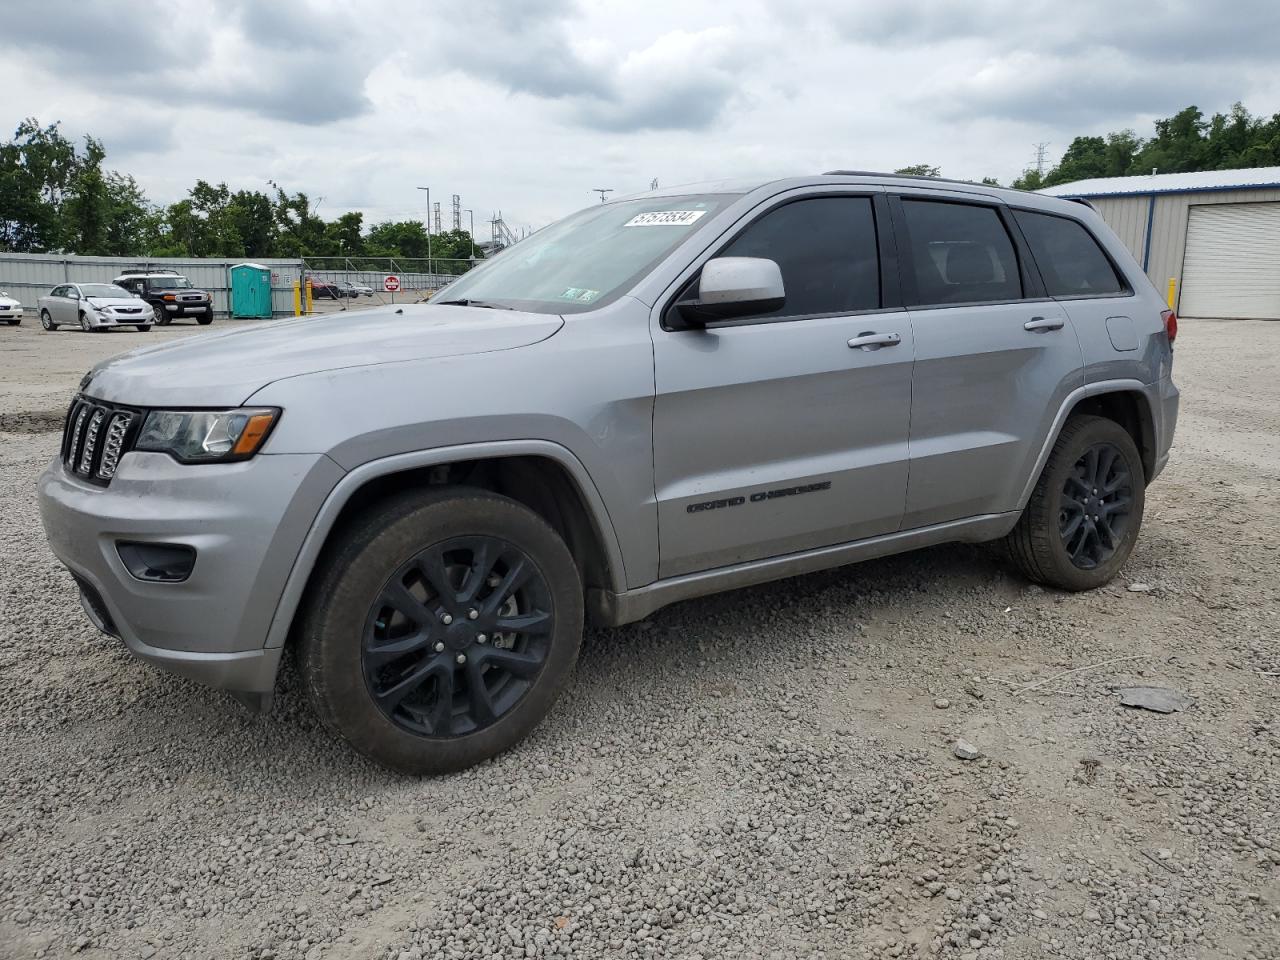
283	60
523	107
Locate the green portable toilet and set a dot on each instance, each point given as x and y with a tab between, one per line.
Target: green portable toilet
250	290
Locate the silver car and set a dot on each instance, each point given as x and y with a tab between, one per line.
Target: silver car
660	397
93	307
10	308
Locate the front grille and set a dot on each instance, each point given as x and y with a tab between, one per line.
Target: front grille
96	436
192	297
129	310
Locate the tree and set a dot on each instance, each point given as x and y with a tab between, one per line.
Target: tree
919	170
403	238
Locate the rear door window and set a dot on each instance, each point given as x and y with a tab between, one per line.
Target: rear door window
961	253
1070	259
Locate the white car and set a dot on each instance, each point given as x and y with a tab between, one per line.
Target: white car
10	309
358	288
93	306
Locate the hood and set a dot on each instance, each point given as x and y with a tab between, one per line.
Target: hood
226	368
116	302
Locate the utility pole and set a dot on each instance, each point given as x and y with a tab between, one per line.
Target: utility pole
653	184
435	214
472	233
602	191
428	189
457	212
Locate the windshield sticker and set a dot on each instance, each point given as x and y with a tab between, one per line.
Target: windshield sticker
665	218
580	294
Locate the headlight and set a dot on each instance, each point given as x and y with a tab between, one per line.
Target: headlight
207	436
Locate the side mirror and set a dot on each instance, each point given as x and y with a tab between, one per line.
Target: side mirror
734	287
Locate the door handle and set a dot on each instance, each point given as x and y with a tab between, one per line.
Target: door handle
1044	324
874	341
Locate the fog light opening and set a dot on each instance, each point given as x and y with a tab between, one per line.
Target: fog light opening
157	562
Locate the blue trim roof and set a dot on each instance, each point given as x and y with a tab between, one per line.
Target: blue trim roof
1204	181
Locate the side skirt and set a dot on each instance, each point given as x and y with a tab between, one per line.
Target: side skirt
614	609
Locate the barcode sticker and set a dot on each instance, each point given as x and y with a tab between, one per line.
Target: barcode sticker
665	218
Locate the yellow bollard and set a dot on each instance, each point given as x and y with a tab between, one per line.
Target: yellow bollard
310	304
1173	291
297	298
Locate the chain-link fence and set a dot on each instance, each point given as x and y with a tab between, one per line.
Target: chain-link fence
349	282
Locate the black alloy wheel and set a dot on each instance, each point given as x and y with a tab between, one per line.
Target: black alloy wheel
441	626
457	636
1097	498
1085	512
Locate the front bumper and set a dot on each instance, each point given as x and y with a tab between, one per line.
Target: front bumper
246	522
120	320
188	309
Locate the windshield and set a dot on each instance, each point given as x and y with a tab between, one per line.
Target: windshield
169	283
103	290
588	258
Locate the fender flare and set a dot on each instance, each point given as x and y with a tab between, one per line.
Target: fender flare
1068	404
322	525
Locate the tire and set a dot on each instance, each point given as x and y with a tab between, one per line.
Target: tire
1047	534
14	321
84	324
144	328
349	621
161	315
205	320
46	321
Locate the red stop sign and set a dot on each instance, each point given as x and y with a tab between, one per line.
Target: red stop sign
391	283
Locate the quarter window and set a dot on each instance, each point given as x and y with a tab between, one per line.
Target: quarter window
1069	258
826	249
961	253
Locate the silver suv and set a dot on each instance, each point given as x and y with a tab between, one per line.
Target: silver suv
665	396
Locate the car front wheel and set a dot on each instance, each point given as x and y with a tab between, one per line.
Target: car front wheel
1083	518
205	319
46	321
14	321
161	315
441	629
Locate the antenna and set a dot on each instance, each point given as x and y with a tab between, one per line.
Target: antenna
602	191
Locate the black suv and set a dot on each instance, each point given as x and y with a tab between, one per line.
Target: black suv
170	294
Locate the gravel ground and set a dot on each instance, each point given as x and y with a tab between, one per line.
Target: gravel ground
768	773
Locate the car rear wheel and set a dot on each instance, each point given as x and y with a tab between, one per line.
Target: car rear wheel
46	321
1084	515
441	629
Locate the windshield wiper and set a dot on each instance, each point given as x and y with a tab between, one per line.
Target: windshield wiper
464	302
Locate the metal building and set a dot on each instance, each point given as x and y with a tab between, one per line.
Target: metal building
1216	234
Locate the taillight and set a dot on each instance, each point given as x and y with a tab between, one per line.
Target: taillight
1170	324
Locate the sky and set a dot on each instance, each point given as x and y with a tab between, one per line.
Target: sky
524	106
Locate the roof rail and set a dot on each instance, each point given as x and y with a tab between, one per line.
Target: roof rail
900	176
143	273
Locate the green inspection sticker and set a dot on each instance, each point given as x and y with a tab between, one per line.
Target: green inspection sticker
579	294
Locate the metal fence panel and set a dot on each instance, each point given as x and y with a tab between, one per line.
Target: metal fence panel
29	276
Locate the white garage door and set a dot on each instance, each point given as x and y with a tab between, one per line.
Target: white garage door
1232	265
